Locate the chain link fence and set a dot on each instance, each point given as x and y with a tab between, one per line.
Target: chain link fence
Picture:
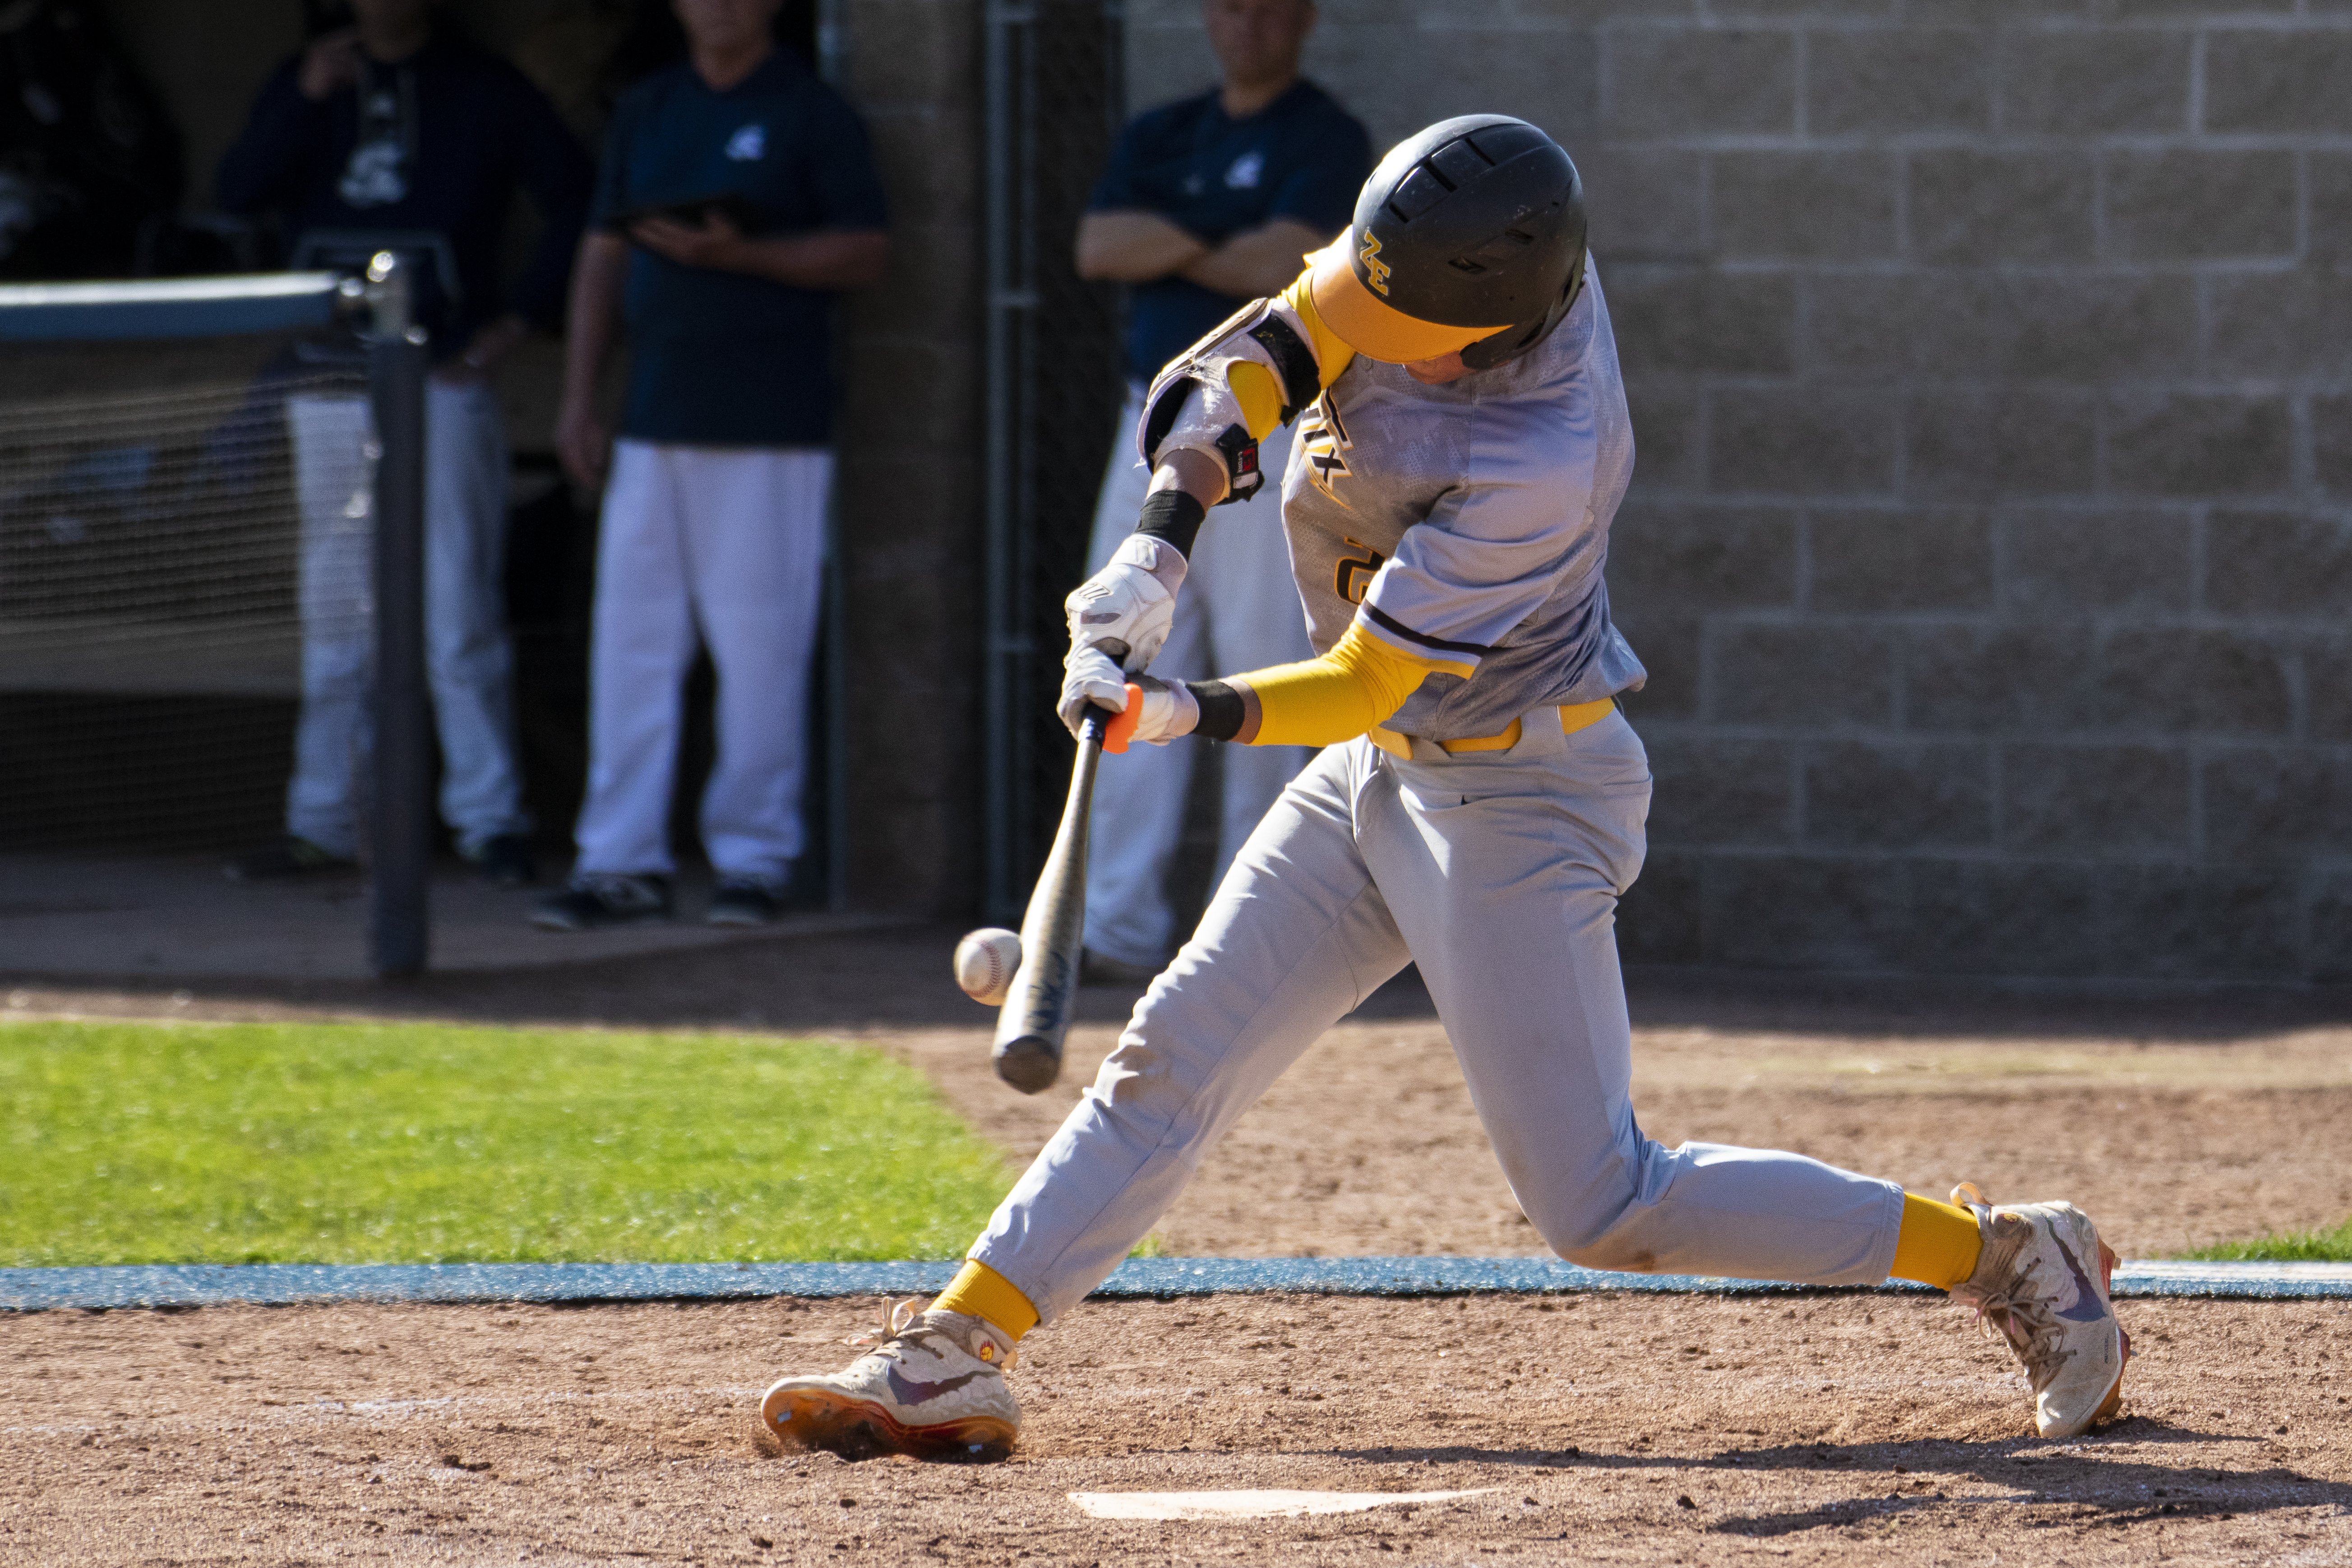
1054	102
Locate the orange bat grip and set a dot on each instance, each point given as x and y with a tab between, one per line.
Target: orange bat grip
1121	728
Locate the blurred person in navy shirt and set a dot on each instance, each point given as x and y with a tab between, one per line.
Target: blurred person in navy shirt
1208	202
397	134
737	196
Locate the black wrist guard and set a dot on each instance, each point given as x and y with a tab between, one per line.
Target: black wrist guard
1174	517
1222	711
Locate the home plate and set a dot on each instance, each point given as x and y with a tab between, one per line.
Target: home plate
1245	1504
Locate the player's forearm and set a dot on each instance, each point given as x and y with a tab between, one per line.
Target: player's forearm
1133	247
1317	702
832	262
592	322
1255	265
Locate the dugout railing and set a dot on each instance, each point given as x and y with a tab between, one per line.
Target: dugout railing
103	610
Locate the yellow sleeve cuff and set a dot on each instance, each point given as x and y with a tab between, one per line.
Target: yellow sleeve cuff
1322	702
1260	396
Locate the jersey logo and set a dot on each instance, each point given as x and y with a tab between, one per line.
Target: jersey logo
748	145
1352	578
1325	441
1248	170
1376	271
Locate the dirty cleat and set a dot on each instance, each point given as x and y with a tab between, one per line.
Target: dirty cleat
2042	1281
932	1386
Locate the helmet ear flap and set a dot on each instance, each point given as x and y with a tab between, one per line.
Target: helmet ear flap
1517	339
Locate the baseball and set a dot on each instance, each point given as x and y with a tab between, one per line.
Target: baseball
984	961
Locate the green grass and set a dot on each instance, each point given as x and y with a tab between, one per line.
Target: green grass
358	1143
2291	1246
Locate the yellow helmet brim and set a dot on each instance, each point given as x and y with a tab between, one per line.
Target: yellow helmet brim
1370	324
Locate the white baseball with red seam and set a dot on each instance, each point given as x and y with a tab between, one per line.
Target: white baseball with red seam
984	961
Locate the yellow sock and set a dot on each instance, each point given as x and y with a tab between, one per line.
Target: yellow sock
1939	1243
985	1293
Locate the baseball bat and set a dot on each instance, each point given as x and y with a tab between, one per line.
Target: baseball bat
1035	1015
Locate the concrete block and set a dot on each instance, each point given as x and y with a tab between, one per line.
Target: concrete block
1643	205
2331	442
1805	912
2071	564
1572	12
1818	675
1694	558
2092	80
931	55
2186	10
1801	440
1977	916
2274	324
1383	72
2196	444
2278	80
1662	82
1978	442
2331	207
2278	565
1894	81
1876	561
1801	10
1659	919
2192	204
2196	682
1997	679
2094	800
2277	804
1795	205
1898	794
1670	648
1989	13
2203	921
1717	792
1669	439
1694	319
1971	207
2327	687
2079	328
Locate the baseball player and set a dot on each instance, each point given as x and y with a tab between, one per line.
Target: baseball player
1463	443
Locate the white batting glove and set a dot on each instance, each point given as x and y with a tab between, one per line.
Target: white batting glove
1090	675
1169	711
1126	609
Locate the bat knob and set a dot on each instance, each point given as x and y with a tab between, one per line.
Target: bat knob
1029	1063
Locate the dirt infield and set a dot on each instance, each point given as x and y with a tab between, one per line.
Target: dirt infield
1601	1428
1617	1428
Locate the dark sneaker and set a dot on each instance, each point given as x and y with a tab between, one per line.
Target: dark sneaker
505	861
744	901
603	898
286	856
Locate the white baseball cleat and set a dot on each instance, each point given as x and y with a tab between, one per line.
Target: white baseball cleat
932	1386
2032	1282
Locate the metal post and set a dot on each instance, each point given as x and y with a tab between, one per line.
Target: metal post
401	812
1007	644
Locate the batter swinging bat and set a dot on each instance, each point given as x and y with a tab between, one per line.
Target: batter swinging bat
1036	1011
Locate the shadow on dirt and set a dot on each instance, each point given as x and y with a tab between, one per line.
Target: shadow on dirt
2078	1482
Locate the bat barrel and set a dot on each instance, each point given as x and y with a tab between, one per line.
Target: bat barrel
1035	1017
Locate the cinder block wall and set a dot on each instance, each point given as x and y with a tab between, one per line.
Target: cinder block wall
1991	538
910	453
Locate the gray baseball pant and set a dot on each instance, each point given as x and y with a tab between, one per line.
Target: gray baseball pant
1499	873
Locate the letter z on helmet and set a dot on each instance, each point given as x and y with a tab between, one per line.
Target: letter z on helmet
1469	236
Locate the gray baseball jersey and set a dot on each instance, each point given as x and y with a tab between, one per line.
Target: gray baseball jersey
1470	523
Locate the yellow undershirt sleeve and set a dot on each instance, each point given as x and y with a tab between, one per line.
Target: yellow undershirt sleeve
1937	1244
1260	396
1323	701
985	1293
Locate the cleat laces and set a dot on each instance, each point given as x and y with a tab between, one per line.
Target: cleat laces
903	1329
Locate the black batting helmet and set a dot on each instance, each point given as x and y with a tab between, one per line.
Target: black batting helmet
1469	236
